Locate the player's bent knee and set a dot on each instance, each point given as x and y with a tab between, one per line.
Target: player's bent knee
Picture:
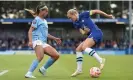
56	56
78	50
40	58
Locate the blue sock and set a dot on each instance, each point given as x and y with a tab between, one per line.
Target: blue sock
49	63
34	65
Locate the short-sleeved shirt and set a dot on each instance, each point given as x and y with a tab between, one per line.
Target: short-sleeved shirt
84	20
40	31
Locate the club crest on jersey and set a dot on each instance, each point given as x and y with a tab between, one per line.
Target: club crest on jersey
82	20
34	21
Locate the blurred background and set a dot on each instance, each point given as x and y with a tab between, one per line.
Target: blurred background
15	23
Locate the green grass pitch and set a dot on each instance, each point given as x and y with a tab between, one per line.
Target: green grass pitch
116	68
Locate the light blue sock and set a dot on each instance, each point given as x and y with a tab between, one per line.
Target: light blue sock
49	63
34	65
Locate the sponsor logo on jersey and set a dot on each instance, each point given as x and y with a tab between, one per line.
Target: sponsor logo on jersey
34	21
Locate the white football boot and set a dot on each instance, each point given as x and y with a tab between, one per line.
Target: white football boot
29	75
103	63
42	70
77	72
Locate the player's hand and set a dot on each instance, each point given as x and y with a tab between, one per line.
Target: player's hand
30	44
84	30
58	40
87	30
111	16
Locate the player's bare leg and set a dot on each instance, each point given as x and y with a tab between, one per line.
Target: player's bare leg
39	55
79	57
54	55
88	43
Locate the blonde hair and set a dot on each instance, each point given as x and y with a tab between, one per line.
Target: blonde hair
72	11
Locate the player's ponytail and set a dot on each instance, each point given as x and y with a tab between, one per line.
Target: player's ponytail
38	9
32	12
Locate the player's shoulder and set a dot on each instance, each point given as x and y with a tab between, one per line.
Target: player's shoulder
37	18
85	14
45	20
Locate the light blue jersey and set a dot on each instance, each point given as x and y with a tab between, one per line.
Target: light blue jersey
41	29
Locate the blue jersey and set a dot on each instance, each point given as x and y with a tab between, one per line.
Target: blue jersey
40	31
84	20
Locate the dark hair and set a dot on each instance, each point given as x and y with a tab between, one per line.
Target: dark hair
39	8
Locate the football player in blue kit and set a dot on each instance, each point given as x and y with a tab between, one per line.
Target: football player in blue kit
38	34
86	26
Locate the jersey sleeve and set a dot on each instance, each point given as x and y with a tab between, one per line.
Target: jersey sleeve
34	23
87	13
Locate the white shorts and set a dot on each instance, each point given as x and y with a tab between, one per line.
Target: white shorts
39	42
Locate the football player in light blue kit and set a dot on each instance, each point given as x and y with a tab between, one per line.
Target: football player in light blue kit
38	34
86	26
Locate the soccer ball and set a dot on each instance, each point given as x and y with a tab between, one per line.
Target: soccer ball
95	72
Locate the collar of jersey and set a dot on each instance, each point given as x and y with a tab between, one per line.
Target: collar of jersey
77	19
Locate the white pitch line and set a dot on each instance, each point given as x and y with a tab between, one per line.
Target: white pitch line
3	72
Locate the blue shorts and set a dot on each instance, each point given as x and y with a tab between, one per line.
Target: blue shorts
97	36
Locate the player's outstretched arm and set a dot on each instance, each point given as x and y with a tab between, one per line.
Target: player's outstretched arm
32	12
51	37
58	40
101	13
